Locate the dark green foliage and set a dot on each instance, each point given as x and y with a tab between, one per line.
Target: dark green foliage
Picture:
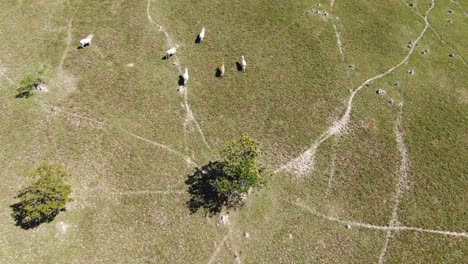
223	183
240	170
44	199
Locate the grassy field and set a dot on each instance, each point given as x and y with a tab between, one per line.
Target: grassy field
394	173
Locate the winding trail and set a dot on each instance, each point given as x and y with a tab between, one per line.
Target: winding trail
162	146
338	40
96	123
189	116
402	181
217	250
459	6
147	192
68	41
103	124
383	228
438	36
3	74
304	163
338	35
331	177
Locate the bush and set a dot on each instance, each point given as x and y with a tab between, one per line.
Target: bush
44	199
30	81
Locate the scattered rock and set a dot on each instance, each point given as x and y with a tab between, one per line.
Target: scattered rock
174	63
319	4
290	236
130	65
391	101
62	227
450	11
41	87
380	91
449	20
246	235
451	55
351	66
348	226
425	52
160	28
411	4
224	219
411	72
325	13
368	84
397	84
181	89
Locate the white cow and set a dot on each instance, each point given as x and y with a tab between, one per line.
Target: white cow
86	41
171	51
201	36
185	76
243	63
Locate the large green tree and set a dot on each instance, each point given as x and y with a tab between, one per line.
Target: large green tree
240	170
223	183
44	199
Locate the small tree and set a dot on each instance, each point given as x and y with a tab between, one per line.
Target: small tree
240	170
44	199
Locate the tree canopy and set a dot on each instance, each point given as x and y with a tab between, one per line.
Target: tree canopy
223	183
44	199
240	170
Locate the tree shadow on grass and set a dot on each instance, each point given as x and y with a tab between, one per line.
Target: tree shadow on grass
24	92
202	191
26	222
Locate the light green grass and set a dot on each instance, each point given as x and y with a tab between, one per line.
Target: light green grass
295	86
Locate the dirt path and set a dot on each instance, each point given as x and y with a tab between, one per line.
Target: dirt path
232	242
402	181
457	54
337	32
331	175
160	28
3	71
148	192
218	249
162	146
68	41
459	6
304	163
105	125
439	37
189	116
384	228
338	41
